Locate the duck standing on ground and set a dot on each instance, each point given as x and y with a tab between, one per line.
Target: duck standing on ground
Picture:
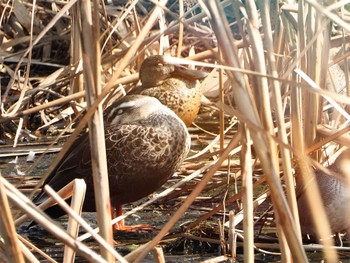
145	142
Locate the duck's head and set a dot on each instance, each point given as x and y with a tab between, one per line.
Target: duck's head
134	108
156	69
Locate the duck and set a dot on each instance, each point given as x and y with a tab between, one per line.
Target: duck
175	86
146	142
335	194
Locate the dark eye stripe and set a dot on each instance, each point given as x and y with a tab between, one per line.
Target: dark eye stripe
116	112
119	110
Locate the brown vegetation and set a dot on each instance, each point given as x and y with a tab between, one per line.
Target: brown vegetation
62	60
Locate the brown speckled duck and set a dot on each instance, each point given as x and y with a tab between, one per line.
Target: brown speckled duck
175	86
145	143
335	195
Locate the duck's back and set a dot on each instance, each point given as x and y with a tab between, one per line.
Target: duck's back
335	196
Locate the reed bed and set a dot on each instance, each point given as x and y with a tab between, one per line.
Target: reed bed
274	105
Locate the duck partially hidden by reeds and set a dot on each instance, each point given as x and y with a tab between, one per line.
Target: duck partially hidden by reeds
175	86
145	143
335	193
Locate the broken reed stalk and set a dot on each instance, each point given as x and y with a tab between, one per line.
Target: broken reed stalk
232	236
90	38
58	197
76	83
65	193
216	259
163	38
239	217
8	230
76	217
222	241
77	201
158	254
329	135
221	112
181	29
23	203
247	198
28	248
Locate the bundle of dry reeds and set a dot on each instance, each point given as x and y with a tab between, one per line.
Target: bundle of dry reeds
274	100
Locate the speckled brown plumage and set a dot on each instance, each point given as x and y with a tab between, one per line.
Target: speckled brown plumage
145	143
335	195
176	87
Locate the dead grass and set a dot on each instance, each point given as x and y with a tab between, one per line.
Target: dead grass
257	95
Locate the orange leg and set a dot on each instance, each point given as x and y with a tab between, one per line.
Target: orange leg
120	226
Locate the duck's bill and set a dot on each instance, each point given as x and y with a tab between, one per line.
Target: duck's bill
184	72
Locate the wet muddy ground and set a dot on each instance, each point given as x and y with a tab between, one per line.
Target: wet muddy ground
198	244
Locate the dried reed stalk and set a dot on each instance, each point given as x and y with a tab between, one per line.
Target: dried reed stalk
75	216
27	247
277	101
232	236
243	99
92	75
40	217
7	229
65	193
79	190
247	198
273	48
310	112
28	51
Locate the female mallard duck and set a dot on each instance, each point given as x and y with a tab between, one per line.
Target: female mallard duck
335	193
145	143
176	87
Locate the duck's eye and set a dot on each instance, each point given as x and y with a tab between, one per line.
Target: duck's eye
114	114
122	108
120	111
